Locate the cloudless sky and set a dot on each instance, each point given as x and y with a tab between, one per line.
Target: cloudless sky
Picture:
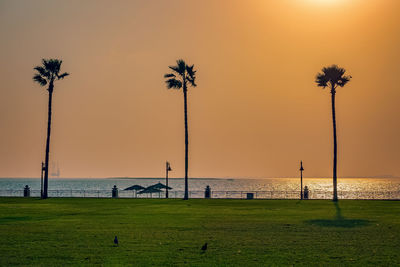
255	113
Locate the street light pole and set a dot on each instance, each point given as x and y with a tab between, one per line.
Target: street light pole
301	179
41	180
167	169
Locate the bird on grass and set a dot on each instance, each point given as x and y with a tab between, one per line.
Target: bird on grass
204	247
116	241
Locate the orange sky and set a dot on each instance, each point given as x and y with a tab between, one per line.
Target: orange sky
255	113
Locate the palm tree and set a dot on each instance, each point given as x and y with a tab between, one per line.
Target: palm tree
332	77
182	76
47	74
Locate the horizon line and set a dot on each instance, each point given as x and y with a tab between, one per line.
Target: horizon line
216	178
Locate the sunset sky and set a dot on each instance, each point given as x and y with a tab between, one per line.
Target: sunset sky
255	113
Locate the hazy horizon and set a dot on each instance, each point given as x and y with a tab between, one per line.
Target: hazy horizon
226	178
255	113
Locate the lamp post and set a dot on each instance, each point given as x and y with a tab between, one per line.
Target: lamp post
41	180
301	179
167	169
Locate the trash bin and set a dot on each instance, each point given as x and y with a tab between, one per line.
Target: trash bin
249	195
115	192
306	192
207	192
27	191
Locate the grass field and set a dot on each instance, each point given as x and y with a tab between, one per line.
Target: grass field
171	232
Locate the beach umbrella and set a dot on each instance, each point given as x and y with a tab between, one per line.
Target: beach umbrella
159	186
135	187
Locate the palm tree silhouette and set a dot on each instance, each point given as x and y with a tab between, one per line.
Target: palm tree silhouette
181	76
47	74
332	77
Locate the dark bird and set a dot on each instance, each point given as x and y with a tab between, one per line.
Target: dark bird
116	240
204	247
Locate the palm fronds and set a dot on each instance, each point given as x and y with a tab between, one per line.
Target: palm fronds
48	72
42	71
169	75
179	68
185	73
333	76
191	75
322	80
52	65
173	83
62	75
39	79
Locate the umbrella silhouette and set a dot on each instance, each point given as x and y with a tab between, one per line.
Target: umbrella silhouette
159	186
135	187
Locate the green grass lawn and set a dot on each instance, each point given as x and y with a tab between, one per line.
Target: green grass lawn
171	232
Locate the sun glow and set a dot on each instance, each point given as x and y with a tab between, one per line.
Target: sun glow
324	2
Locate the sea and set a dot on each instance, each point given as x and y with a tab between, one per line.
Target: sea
353	188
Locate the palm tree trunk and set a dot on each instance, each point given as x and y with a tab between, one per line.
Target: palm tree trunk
186	144
335	198
46	171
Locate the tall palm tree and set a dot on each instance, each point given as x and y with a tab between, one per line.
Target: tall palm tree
47	74
333	77
182	76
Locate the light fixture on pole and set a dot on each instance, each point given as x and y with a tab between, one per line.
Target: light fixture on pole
301	179
41	180
167	169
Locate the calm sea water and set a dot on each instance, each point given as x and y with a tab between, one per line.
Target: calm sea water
197	184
